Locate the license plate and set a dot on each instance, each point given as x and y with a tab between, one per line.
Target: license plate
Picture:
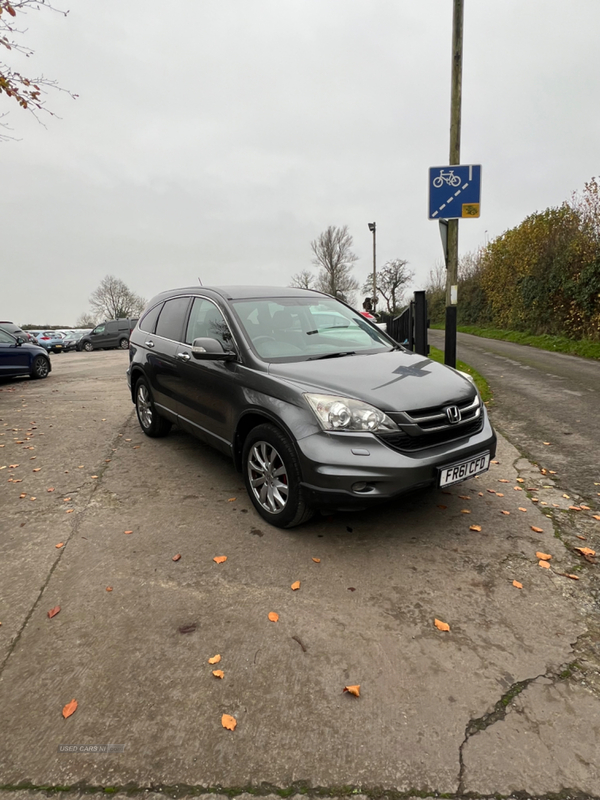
464	469
58	346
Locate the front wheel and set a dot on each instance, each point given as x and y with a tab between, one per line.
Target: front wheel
272	477
151	423
40	367
88	347
124	344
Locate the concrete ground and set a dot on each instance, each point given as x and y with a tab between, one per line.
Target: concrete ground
505	702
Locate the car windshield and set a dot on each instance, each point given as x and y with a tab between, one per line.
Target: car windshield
298	329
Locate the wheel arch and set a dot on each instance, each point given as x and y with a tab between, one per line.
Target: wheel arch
136	373
252	419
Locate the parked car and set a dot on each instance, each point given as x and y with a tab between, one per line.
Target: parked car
52	341
109	334
312	419
71	339
16	331
20	357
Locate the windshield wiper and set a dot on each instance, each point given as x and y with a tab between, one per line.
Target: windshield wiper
332	355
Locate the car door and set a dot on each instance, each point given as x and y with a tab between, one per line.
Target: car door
207	391
14	359
161	365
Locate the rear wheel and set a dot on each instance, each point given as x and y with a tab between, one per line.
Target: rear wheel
88	347
150	421
124	344
40	367
272	476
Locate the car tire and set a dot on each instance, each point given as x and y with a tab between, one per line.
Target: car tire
40	367
88	347
150	420
272	476
124	344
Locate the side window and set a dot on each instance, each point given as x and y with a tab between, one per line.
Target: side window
148	322
99	329
206	321
6	338
172	316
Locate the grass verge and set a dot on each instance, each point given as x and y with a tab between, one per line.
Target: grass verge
557	344
480	381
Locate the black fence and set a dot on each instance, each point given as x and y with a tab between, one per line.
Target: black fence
410	327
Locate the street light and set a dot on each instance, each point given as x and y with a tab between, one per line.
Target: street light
373	229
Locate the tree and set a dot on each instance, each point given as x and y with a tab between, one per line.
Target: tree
86	320
334	257
114	300
392	279
26	92
303	280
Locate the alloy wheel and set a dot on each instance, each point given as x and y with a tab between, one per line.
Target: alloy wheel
268	477
144	406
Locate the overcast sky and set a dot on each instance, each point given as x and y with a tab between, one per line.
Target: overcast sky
217	138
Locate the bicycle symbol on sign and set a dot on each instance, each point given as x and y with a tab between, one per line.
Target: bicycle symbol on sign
446	177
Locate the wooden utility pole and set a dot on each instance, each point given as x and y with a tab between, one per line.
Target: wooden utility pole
455	109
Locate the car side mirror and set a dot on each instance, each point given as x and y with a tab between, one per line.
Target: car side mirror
20	340
207	349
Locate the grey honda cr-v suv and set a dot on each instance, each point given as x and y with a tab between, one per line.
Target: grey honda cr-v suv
317	406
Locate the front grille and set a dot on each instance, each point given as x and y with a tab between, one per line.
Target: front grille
405	443
433	419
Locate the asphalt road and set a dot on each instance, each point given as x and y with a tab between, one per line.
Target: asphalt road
540	397
507	700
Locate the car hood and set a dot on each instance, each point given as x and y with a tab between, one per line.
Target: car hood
391	381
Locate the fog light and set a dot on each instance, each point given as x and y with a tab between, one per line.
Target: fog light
359	487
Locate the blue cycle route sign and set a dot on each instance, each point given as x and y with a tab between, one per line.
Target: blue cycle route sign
455	191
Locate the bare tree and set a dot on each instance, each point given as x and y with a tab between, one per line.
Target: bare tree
86	320
334	257
392	279
114	300
26	92
303	280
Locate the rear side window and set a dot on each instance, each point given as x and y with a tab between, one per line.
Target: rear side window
148	322
170	322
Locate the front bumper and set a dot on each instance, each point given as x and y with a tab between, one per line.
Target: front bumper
334	463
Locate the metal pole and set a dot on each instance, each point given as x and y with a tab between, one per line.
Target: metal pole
373	229
455	109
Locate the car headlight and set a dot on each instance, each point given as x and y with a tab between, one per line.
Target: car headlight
345	414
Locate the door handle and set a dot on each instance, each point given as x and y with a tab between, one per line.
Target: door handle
184	356
149	344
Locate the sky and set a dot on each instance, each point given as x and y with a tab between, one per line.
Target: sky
215	139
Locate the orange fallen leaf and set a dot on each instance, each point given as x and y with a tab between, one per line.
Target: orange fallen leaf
33	498
465	511
214	659
127	531
177	557
543	556
581	537
503	480
506	513
569	575
109	588
22	495
520	480
544	564
522	509
499	494
464	497
536	530
475	528
53	612
518	488
596	516
574	508
441	626
492	491
585	508
69	709
439	506
231	499
218	673
220	559
37	469
494	462
545	442
49	490
60	544
228	722
355	690
480	494
273	616
69	510
295	585
517	584
585	551
66	499
317	560
94	476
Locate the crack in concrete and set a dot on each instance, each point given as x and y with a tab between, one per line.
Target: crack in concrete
75	526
